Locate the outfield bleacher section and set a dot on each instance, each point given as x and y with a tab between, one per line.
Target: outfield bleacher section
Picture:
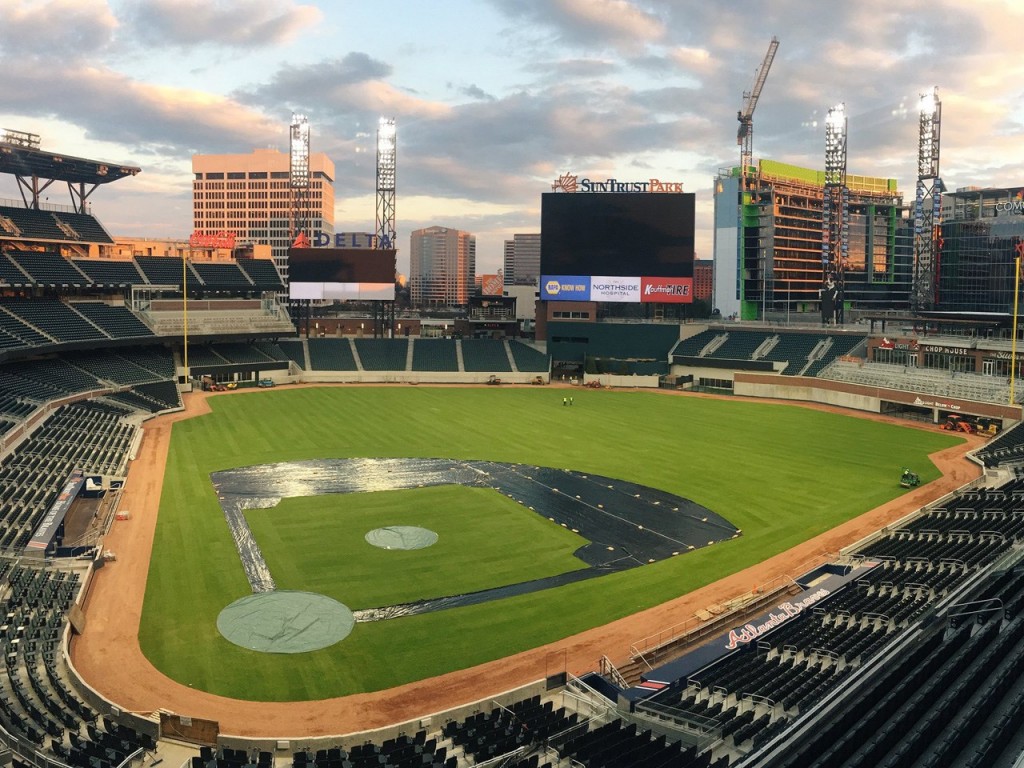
794	349
295	351
694	345
529	359
435	355
382	354
485	355
739	345
572	341
202	357
262	273
841	345
240	352
326	354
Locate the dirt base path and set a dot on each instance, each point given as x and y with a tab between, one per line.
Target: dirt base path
108	656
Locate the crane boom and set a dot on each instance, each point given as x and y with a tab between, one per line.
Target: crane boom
745	134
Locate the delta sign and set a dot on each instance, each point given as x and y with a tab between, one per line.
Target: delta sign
630	290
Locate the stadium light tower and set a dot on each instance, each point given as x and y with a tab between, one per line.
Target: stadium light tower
835	216
298	177
927	203
386	151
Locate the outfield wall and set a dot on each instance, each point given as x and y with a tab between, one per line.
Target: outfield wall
407	377
622	382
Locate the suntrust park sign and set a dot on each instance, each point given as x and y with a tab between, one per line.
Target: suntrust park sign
568	182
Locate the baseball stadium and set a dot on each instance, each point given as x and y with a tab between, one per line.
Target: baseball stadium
241	533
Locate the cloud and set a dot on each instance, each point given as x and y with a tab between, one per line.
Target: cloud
589	24
67	29
228	23
110	106
341	94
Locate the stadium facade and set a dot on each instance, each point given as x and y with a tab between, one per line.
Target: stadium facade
768	243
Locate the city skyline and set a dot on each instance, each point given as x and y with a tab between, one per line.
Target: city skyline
495	100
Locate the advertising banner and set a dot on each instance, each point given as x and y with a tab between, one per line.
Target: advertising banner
624	289
564	288
666	290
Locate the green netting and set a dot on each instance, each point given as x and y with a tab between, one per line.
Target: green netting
401	537
285	622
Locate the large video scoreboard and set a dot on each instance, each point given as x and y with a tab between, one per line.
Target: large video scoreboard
341	274
618	247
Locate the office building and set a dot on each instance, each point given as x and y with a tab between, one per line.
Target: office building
442	267
250	196
522	260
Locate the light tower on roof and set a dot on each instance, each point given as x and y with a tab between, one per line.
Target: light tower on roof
298	177
835	217
927	203
386	146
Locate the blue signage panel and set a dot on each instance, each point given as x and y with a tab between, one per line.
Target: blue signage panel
565	287
48	526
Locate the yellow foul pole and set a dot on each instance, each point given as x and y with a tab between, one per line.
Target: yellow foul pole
1013	347
184	307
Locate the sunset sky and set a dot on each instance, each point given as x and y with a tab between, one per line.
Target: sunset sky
494	99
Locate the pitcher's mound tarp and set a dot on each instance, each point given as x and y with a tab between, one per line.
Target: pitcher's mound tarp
285	622
401	537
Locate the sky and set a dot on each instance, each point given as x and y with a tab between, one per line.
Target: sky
495	99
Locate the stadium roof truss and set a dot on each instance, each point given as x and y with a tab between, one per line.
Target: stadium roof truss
36	170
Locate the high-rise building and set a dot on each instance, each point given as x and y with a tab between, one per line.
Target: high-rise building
522	260
250	196
982	238
442	267
703	279
768	243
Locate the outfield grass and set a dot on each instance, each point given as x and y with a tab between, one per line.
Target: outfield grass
782	474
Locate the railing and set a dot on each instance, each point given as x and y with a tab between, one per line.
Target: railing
10	203
686	632
610	670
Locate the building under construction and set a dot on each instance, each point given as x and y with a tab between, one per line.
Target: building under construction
768	244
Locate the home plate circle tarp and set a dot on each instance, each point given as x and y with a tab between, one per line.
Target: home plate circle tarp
284	621
401	537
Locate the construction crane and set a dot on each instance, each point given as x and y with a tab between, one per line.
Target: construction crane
745	134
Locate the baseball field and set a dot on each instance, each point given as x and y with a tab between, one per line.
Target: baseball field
782	474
